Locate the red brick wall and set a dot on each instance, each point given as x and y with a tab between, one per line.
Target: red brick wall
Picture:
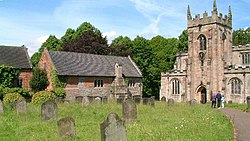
89	81
26	75
46	60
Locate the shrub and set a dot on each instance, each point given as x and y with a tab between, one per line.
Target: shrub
8	75
39	80
11	98
25	93
60	92
42	96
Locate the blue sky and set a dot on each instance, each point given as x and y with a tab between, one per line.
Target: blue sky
30	22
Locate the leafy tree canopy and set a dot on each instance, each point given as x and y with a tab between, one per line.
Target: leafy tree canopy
241	36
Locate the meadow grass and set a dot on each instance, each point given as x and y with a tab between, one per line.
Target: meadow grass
180	122
242	107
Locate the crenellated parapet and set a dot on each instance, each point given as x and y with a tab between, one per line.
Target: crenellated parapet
241	47
197	21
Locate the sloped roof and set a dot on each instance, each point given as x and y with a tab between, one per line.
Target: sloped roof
82	64
14	56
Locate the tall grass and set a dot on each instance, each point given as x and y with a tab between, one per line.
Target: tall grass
179	122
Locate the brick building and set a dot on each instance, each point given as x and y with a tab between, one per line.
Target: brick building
93	75
17	57
211	64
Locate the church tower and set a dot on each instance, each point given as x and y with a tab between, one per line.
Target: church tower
209	50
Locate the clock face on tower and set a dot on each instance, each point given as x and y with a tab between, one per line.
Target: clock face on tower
202	56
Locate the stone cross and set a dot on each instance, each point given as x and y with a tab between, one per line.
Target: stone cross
66	127
170	102
113	129
49	110
85	101
21	106
1	106
129	111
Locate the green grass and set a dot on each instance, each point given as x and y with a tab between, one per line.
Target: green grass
242	107
179	122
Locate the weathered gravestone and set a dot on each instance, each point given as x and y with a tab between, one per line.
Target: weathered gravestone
59	100
248	102
137	99
145	101
1	106
120	100
193	102
152	101
163	99
21	106
113	129
98	100
66	127
170	102
49	110
104	99
129	111
85	101
79	99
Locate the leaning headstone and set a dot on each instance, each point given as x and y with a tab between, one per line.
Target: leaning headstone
66	127
21	106
79	99
193	102
105	99
49	110
113	129
129	111
85	101
170	102
163	99
248	102
1	106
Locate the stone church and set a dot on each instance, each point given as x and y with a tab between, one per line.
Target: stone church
211	64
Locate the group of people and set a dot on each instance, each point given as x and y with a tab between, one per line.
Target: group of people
218	99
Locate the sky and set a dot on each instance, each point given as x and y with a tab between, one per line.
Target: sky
30	22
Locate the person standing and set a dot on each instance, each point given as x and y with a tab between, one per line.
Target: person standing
222	101
213	99
218	97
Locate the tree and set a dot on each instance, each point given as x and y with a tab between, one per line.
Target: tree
183	41
68	36
8	75
121	46
241	36
39	80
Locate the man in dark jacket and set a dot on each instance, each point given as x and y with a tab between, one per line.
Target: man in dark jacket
213	99
218	97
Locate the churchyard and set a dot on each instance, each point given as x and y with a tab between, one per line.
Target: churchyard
158	122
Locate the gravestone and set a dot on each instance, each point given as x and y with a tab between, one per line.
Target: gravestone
21	106
152	101
79	99
163	99
1	106
59	100
129	111
137	99
113	129
98	100
248	102
170	102
145	101
66	127
85	101
230	102
49	110
119	100
193	102
105	99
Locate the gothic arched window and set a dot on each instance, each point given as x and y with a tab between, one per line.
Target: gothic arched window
176	86
203	42
235	86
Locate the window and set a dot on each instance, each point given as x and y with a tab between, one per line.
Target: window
44	66
245	58
20	82
98	83
175	86
235	86
203	42
131	83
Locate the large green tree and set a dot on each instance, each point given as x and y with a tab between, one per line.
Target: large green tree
121	46
183	41
39	80
241	36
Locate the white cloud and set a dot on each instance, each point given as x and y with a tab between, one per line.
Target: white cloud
110	36
35	44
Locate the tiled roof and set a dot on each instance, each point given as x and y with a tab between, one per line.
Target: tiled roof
14	56
81	64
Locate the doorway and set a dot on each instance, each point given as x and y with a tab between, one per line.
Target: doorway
203	96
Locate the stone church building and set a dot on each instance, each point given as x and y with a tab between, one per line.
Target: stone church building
211	64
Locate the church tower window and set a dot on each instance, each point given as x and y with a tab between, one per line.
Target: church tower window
235	86
203	42
245	58
175	86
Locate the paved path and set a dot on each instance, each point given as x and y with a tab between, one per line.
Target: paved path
241	122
